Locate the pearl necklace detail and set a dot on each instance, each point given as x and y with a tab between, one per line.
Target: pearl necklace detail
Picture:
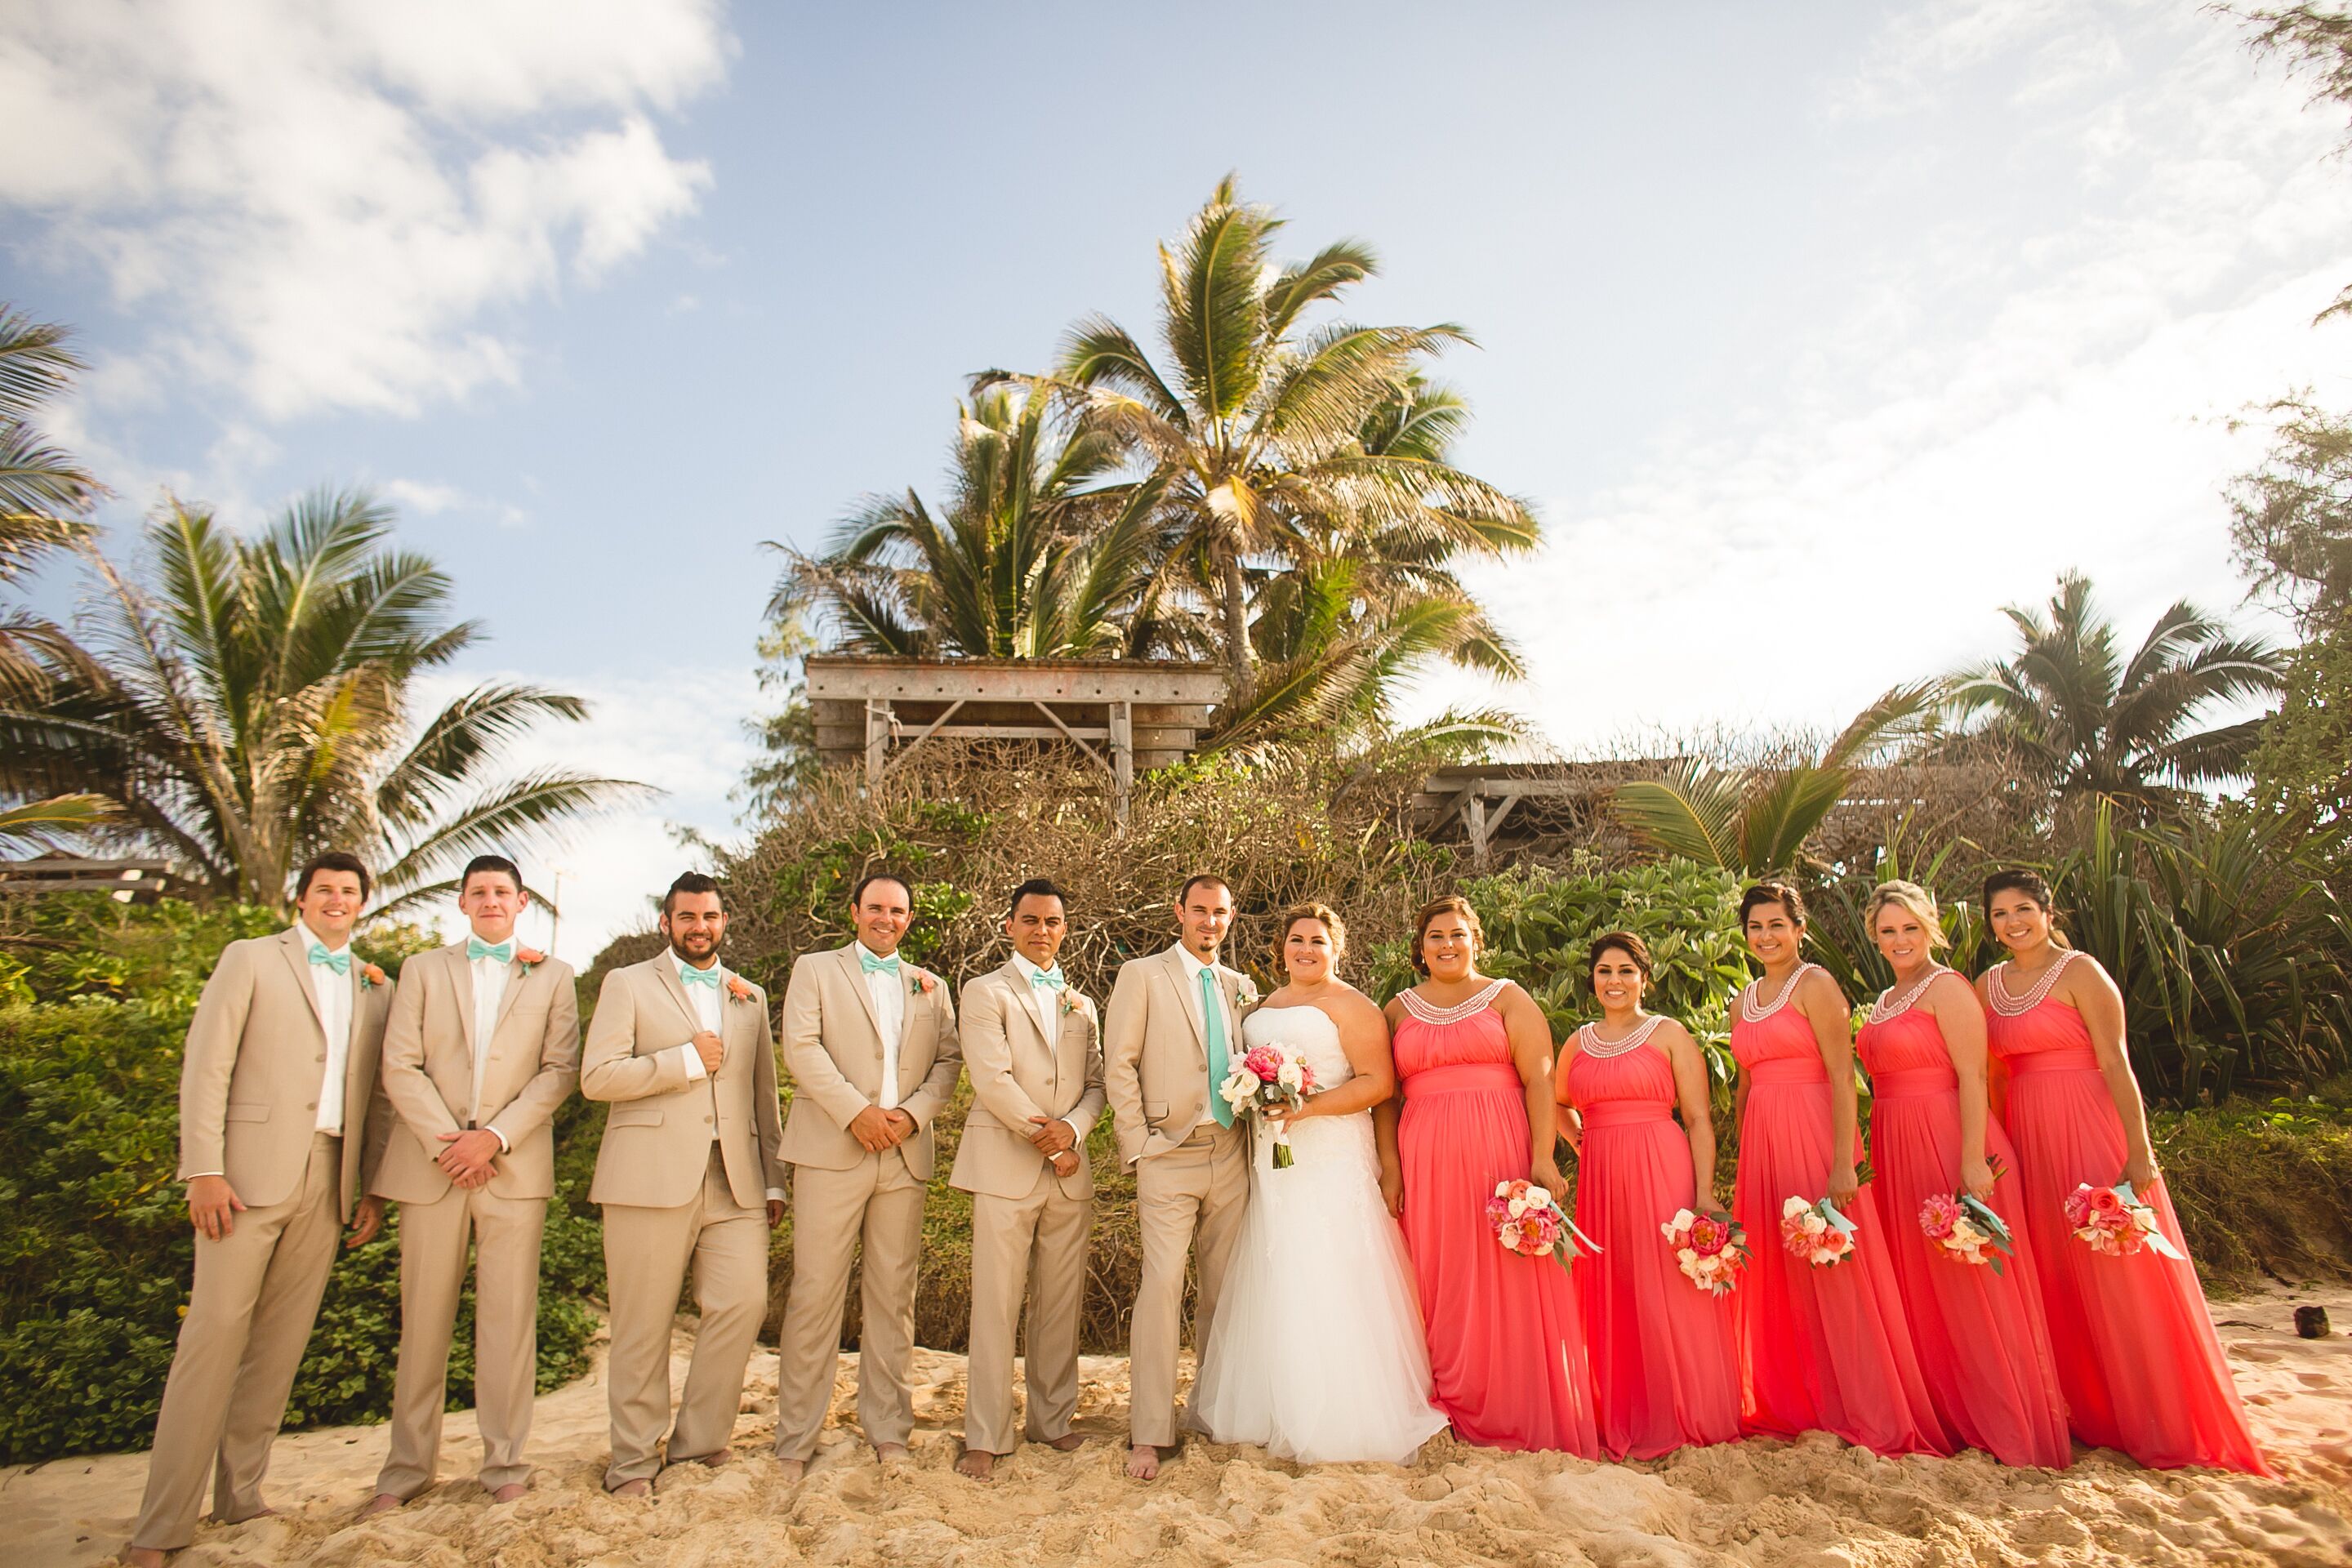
1749	1011
1893	1006
1590	1042
1439	1017
2012	1007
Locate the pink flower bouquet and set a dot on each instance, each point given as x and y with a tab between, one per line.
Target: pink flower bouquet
1709	1248
1269	1078
1813	1231
2112	1221
1965	1228
1529	1220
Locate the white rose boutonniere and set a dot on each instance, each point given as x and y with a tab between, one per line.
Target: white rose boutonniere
1246	993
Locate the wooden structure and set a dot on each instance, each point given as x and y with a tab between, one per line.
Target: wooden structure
1120	715
143	881
1501	802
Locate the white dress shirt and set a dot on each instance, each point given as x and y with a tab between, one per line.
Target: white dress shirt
889	991
1048	1004
704	1001
490	977
1193	969
333	991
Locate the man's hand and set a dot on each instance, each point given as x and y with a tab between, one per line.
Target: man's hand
1052	1135
902	1125
873	1131
211	1202
466	1157
711	1049
1066	1164
366	1220
775	1213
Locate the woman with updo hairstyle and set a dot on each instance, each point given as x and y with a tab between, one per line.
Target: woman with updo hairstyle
1665	1373
1822	1348
1983	1346
1473	1057
2137	1357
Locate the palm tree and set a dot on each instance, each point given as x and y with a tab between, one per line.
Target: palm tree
44	494
1258	432
1040	553
253	708
2089	721
1755	822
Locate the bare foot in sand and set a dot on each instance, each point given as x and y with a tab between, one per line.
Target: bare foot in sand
713	1459
144	1556
792	1470
976	1464
637	1487
1067	1441
1142	1461
513	1491
382	1502
890	1453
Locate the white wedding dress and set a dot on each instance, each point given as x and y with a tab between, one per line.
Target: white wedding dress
1317	1352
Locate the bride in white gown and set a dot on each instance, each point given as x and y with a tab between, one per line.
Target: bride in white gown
1317	1352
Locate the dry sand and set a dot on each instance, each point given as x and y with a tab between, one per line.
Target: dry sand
1810	1502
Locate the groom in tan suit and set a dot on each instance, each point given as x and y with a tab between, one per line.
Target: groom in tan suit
1033	1047
870	1039
280	1130
1172	1029
682	1050
482	1049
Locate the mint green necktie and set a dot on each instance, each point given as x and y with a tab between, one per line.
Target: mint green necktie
1051	978
873	965
693	976
477	948
341	962
1213	1024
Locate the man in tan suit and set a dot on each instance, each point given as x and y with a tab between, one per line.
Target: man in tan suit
870	1040
1173	1025
689	1160
279	1133
1033	1047
482	1048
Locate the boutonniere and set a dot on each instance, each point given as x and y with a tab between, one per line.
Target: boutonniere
1246	994
738	988
371	977
531	958
920	985
1069	1003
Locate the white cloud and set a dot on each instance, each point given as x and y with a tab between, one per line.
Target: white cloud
326	199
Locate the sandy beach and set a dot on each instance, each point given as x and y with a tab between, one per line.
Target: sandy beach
1815	1502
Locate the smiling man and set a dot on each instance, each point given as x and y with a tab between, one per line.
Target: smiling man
279	1135
870	1039
482	1049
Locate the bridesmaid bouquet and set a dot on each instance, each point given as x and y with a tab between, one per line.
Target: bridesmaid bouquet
1813	1231
1710	1250
1529	1220
1965	1229
1268	1078
2115	1222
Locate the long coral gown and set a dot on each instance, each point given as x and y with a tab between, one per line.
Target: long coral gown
1504	1345
2141	1367
1665	1373
1982	1344
1821	1349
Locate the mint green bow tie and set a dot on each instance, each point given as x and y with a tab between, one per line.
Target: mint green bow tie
693	976
477	948
341	962
873	965
1051	978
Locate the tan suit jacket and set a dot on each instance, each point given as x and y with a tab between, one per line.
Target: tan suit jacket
429	1073
833	1044
249	1079
1155	1053
657	1135
1015	1075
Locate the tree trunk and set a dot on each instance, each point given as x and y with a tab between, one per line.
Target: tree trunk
1236	615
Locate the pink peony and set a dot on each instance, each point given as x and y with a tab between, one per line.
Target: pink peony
1708	1235
1266	1062
1837	1243
1939	1215
2078	1207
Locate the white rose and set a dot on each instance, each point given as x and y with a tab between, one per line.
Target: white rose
1518	1208
1687	1258
1794	1206
2143	1218
1290	1077
1682	1218
1502	1189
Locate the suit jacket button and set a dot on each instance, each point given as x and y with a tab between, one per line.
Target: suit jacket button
320	1057
706	1121
312	1106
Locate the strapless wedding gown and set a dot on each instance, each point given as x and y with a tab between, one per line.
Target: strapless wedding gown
1317	1352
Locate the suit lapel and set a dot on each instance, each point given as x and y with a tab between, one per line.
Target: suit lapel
516	979
665	977
1021	1001
299	961
1188	992
461	981
856	972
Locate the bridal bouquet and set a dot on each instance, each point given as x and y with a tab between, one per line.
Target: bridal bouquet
1529	1220
1269	1078
1965	1228
2115	1222
1710	1250
1813	1231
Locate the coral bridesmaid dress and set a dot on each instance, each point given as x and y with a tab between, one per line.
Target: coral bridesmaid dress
1505	1347
1664	1371
2137	1357
1983	1347
1821	1349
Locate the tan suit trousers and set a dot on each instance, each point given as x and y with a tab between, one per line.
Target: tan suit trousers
505	1236
256	1294
879	1202
1189	1199
1039	1241
646	1254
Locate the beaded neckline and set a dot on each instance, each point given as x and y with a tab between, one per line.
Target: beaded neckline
1890	1005
2012	1007
1590	1042
1749	1011
1441	1017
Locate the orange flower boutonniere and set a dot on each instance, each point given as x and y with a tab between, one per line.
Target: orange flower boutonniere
738	988
921	984
1069	1003
371	977
531	958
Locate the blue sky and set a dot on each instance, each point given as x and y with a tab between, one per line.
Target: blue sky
1816	333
